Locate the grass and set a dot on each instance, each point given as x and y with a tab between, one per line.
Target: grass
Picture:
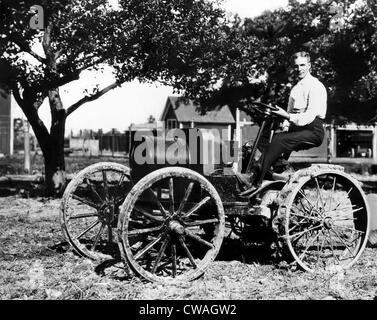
37	263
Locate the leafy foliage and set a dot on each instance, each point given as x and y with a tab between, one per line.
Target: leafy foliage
165	40
341	40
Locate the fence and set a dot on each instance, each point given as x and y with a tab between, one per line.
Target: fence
89	142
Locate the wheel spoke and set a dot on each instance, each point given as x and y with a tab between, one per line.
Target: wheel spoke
345	219
148	247
322	244
197	207
332	248
97	237
174	259
185	198
201	222
342	209
105	185
304	207
83	215
349	228
142	231
305	217
171	196
319	195
161	208
332	192
306	198
148	215
299	224
86	201
88	229
308	246
341	239
87	181
313	207
198	239
305	231
160	254
187	251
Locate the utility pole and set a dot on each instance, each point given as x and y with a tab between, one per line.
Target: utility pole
27	164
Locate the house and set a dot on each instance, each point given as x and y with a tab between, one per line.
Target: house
180	114
6	132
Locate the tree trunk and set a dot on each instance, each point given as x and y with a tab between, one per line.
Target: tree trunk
51	143
54	155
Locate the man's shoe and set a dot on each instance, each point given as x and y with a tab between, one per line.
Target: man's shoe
284	176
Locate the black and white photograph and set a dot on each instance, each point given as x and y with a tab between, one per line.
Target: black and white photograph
202	152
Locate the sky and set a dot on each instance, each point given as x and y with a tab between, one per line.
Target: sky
132	102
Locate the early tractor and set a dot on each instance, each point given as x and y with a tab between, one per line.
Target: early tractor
169	221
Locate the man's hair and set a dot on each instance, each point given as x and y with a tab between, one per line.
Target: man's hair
301	54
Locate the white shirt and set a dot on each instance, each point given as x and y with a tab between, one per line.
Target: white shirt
308	100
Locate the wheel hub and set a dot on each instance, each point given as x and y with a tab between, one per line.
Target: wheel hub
175	227
328	223
106	213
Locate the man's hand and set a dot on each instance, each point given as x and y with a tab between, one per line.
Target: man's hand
281	113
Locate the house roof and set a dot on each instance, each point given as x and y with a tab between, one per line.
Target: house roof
145	126
186	112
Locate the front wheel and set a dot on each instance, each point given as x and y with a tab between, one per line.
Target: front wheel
326	220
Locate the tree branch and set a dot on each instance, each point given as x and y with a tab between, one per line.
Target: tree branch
25	48
93	97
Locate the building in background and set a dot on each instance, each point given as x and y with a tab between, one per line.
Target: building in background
178	114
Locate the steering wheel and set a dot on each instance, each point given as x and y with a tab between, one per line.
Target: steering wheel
262	109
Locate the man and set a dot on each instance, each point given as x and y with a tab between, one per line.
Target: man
303	127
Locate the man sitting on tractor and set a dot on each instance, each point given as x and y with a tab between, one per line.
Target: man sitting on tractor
303	125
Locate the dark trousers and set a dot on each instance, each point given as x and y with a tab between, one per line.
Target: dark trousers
297	138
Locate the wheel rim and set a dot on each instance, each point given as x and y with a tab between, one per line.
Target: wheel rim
90	209
327	222
171	225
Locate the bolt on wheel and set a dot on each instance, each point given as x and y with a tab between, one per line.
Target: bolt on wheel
171	225
90	209
327	222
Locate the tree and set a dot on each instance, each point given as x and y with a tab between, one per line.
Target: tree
148	40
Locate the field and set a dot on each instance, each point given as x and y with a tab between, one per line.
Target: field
37	263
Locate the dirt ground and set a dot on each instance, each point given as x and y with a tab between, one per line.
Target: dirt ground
37	263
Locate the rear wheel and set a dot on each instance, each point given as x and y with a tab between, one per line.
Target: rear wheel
90	209
171	225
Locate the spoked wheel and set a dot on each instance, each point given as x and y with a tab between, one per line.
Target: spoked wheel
327	221
90	208
171	225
